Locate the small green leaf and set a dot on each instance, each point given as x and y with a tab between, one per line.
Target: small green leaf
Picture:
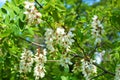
64	78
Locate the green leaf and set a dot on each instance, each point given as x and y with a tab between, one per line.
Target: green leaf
64	78
5	33
30	30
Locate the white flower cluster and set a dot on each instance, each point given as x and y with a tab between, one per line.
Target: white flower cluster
65	61
76	67
40	59
49	37
32	13
88	69
97	29
59	37
99	56
117	74
26	61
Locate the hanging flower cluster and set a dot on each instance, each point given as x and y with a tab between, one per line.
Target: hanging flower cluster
26	61
49	37
32	13
99	56
59	37
88	69
40	59
97	29
65	61
117	74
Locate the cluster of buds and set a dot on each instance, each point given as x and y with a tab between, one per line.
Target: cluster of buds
40	59
32	13
88	69
117	74
60	37
26	61
97	29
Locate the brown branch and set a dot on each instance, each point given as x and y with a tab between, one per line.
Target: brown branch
76	55
80	47
39	45
105	71
98	75
91	53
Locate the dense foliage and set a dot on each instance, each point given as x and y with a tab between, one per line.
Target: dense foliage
59	40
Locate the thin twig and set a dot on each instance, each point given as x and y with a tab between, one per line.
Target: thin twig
98	75
106	71
76	55
39	4
48	12
79	46
39	45
91	53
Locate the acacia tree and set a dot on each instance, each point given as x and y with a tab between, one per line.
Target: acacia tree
59	40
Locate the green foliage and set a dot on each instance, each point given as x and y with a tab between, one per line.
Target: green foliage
14	32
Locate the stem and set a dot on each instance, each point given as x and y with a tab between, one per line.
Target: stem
76	55
39	45
98	75
105	71
83	52
91	53
39	4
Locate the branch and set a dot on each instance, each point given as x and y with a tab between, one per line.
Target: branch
53	60
105	71
79	46
76	55
91	53
48	12
98	75
39	45
39	4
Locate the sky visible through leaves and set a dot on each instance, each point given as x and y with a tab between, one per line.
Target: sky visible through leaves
90	2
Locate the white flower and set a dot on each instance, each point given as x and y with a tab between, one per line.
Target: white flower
65	61
39	71
117	74
59	36
38	14
32	14
95	17
99	56
72	29
40	59
49	34
29	5
97	29
60	31
88	69
49	38
70	34
26	61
